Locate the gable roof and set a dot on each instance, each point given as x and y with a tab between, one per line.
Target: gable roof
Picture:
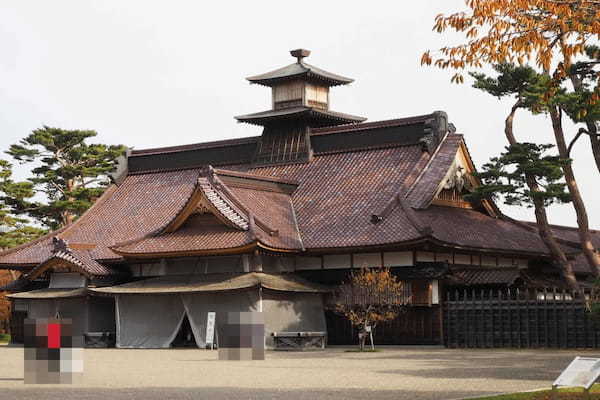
356	173
80	260
239	219
426	185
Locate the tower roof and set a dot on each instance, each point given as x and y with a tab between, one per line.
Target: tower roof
323	117
300	70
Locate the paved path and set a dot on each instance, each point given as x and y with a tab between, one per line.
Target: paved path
394	373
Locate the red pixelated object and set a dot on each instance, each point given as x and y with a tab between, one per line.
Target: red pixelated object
54	336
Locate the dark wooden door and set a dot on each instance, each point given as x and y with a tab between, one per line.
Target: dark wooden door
17	326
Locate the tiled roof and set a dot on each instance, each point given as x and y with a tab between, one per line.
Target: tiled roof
200	233
222	205
299	70
339	192
570	235
475	230
485	276
426	185
80	258
328	203
264	117
236	217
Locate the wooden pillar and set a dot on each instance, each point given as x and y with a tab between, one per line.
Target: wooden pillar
256	262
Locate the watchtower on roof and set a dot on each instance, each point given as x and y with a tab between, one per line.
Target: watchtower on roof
300	101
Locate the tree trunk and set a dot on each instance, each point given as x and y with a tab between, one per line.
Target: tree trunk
591	125
68	216
541	217
362	337
595	142
585	237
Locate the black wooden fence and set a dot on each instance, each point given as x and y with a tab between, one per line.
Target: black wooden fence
488	318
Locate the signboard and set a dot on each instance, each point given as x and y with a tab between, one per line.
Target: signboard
583	372
210	329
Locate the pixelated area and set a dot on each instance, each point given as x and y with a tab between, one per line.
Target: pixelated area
53	351
242	336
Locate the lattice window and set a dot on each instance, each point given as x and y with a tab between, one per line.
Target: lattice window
285	144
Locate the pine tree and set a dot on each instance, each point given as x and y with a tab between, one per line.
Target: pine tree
524	174
70	176
14	231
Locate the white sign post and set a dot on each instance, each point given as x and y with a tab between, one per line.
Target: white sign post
582	372
369	329
210	329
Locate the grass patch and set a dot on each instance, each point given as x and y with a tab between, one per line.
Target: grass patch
363	351
563	394
4	337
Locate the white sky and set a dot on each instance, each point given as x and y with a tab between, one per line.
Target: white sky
158	73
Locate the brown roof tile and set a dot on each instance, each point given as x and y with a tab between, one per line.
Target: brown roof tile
426	185
331	207
338	193
475	230
485	276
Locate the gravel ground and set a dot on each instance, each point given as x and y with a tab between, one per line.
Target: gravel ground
393	373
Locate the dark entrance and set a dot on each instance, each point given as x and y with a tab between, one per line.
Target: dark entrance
17	326
185	336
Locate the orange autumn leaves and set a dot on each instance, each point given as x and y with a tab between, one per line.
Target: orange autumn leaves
5	278
517	31
371	296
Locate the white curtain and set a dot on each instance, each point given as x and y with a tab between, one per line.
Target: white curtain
42	308
76	310
198	305
285	312
148	321
153	321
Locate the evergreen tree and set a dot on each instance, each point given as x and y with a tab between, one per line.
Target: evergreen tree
14	231
537	177
70	174
581	104
555	35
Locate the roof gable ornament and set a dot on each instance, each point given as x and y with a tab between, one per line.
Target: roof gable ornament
457	179
60	245
434	131
300	54
211	195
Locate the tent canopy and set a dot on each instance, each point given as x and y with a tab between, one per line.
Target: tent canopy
49	294
215	283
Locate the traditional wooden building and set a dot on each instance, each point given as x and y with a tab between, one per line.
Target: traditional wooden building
270	223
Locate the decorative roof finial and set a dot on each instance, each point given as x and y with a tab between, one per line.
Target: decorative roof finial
59	245
300	54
